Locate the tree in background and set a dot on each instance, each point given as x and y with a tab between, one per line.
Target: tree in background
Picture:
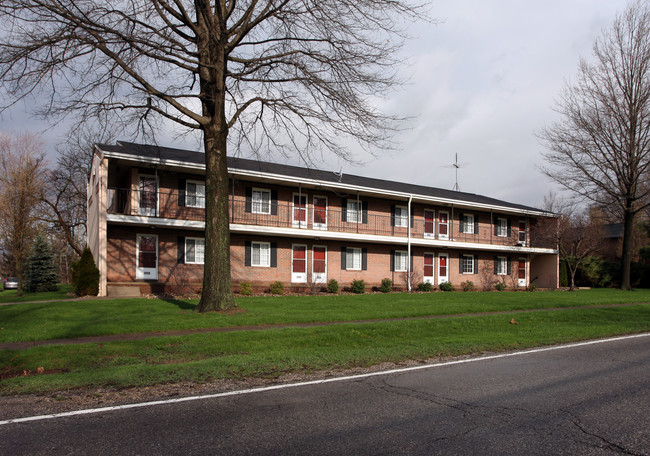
287	76
22	169
40	268
600	147
65	193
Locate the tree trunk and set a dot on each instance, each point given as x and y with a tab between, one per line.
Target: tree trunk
217	288
573	271
626	256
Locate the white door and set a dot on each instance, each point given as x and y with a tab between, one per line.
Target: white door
320	212
443	268
521	272
299	263
299	210
428	268
443	225
148	195
429	224
147	257
319	265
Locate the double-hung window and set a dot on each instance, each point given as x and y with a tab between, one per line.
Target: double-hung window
401	216
261	254
261	201
353	259
502	227
501	266
194	250
353	211
195	194
401	261
467	264
468	224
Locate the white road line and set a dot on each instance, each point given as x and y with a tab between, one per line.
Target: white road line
312	382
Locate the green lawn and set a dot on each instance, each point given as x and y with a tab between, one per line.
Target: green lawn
100	317
11	295
266	354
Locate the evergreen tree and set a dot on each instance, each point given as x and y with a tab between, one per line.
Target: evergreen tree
85	275
41	270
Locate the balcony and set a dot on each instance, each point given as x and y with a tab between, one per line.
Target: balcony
282	215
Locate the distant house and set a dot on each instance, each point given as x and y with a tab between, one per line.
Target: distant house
299	226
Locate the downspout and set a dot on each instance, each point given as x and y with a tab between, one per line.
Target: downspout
359	212
408	247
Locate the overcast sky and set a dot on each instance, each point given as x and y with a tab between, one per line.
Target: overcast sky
481	82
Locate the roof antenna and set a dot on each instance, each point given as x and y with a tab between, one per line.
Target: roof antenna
457	166
340	173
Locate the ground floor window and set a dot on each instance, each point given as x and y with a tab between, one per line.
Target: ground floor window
194	250
467	265
261	254
353	258
501	266
401	261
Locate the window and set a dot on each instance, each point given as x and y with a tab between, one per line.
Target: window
261	201
502	227
401	261
443	225
522	233
353	211
353	259
467	224
261	254
429	223
401	216
467	264
195	194
194	250
501	266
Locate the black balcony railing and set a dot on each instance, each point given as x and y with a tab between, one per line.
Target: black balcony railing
181	206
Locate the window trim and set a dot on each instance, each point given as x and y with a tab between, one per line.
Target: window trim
315	224
400	253
446	224
349	253
501	233
187	193
463	258
466	217
502	261
260	243
358	214
403	217
261	203
185	250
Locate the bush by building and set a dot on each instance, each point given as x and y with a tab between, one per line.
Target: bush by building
85	275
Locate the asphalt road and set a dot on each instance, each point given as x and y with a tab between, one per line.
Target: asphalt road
592	399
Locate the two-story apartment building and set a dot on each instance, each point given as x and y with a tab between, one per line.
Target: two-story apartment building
300	226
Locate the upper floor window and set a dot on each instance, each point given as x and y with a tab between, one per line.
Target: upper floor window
194	250
261	201
195	194
353	211
522	233
502	227
401	216
467	223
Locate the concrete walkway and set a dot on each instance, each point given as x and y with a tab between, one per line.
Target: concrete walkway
147	335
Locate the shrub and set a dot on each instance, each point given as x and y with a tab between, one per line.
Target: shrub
386	285
564	275
467	286
425	286
85	275
358	286
277	288
446	286
333	286
41	271
532	286
245	288
500	286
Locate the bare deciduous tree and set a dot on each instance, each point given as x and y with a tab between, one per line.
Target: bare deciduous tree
292	76
21	172
576	234
600	147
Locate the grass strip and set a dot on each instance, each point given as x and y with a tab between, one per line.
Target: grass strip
42	321
266	354
12	295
